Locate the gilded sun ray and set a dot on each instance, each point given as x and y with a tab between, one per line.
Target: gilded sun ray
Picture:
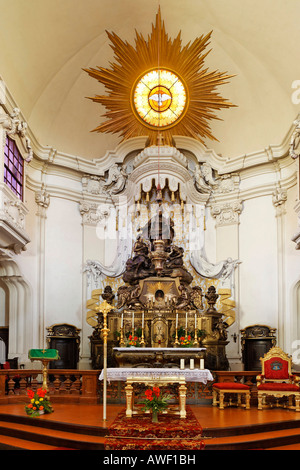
159	87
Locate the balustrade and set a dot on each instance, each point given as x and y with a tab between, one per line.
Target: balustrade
64	385
83	386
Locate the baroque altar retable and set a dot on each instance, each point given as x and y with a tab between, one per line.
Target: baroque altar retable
159	311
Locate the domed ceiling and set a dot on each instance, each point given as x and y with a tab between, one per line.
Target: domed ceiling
46	44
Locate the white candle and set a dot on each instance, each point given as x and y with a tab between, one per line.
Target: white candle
186	321
201	364
195	321
143	320
192	363
176	320
132	320
122	321
181	363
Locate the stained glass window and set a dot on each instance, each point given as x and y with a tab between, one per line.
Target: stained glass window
160	98
13	167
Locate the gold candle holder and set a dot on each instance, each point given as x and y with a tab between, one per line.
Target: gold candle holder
122	342
176	342
142	342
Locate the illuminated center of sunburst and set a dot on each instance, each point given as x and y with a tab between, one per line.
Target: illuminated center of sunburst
160	98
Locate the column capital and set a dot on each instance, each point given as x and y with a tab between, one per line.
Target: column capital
227	213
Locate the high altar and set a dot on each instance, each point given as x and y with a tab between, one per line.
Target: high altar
152	210
159	319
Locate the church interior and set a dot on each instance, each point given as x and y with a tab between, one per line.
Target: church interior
149	225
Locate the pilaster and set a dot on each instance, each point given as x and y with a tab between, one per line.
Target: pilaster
42	199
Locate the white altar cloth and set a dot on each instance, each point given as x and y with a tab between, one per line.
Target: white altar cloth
135	349
190	375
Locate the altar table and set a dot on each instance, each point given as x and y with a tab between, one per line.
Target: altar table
161	357
156	377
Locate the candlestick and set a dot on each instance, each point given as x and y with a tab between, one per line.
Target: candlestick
122	337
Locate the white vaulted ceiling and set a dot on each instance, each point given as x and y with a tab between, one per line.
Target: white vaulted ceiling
45	44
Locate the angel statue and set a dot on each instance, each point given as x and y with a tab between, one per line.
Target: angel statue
295	141
116	180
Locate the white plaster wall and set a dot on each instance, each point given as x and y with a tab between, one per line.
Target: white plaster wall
292	272
28	265
63	264
258	270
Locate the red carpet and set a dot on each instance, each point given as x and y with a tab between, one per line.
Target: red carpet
139	433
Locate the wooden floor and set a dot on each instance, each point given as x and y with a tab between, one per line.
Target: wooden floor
82	427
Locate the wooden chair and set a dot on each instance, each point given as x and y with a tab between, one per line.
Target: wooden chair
276	380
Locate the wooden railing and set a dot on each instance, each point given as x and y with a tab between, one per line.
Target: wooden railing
65	385
83	386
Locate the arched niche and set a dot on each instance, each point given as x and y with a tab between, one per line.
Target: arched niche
18	301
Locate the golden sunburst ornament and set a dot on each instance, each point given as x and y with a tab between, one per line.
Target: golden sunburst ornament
159	86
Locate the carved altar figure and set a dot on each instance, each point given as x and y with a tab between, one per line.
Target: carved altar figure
211	297
196	297
174	265
159	228
140	265
184	299
128	296
108	294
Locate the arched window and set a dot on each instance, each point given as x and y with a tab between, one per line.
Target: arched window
13	167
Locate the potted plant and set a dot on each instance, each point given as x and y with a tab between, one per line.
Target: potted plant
39	403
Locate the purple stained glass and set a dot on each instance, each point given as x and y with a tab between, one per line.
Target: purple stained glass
13	167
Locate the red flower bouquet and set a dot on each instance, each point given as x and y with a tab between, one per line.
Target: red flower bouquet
132	341
155	401
39	403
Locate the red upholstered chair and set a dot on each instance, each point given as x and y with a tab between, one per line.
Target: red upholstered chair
276	380
221	389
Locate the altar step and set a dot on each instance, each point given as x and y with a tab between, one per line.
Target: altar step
286	438
19	432
31	436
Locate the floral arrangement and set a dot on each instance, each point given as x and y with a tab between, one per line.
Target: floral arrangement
155	401
133	339
39	403
186	342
